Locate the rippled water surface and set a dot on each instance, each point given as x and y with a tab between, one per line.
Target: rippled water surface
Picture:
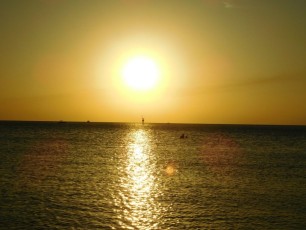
133	176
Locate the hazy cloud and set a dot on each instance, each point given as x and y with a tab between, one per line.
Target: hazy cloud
270	80
228	4
285	80
231	4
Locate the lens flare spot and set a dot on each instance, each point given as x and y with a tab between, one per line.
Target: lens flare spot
170	169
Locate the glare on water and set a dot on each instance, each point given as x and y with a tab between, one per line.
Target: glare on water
138	206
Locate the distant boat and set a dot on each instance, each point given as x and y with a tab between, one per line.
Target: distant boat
88	121
61	122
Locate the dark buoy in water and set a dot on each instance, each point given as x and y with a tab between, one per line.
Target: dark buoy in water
183	136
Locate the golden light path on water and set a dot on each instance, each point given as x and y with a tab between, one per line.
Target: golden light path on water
139	186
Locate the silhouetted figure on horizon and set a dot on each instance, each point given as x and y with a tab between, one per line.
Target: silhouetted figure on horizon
142	120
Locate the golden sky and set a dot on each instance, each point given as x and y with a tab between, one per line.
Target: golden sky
238	61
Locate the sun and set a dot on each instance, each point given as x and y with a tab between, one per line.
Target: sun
141	73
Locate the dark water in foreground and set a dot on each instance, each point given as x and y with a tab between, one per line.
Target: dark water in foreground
114	176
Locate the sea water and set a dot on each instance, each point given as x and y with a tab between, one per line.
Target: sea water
134	176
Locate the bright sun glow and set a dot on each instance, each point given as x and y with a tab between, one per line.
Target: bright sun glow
141	73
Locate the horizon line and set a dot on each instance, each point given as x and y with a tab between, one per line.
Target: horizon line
131	122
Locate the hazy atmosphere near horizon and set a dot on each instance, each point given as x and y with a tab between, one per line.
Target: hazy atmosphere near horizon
199	61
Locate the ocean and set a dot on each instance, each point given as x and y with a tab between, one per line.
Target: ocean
133	176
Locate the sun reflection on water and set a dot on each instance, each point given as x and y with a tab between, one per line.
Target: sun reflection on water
139	187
